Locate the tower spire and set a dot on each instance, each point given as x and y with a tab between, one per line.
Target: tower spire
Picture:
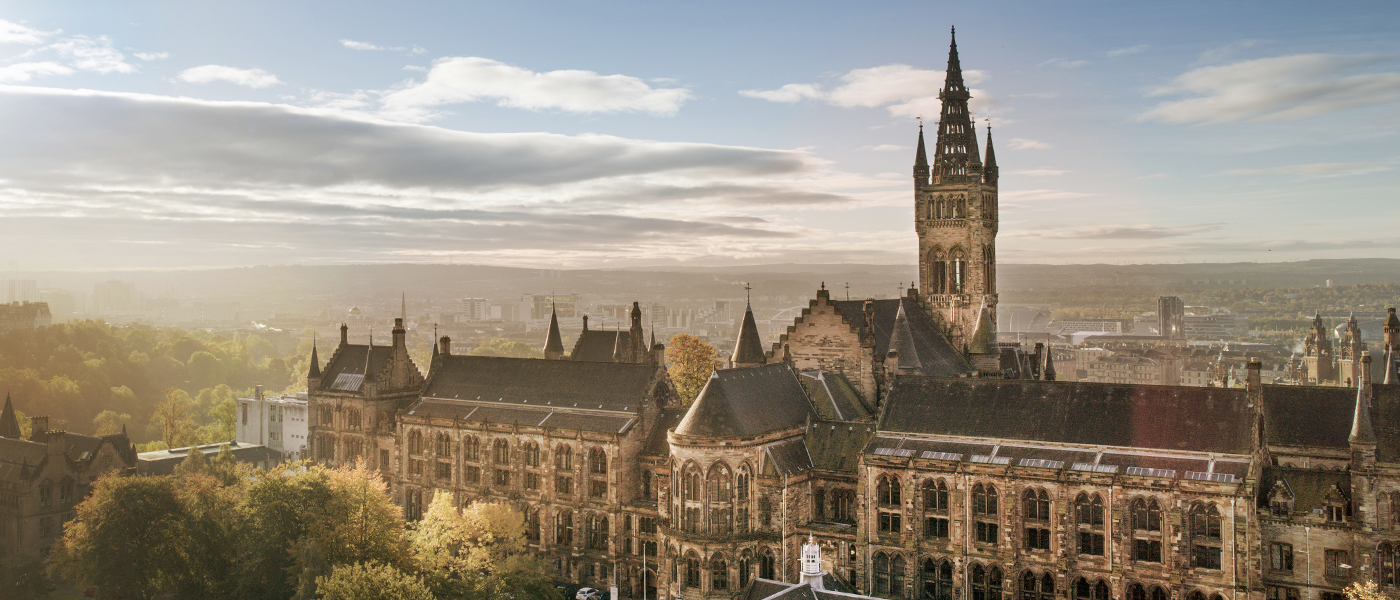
553	342
989	170
955	138
315	371
748	349
9	425
921	159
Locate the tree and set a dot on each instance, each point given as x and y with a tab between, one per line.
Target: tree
313	567
126	539
508	348
371	581
281	505
478	552
1363	590
109	422
177	427
360	522
22	577
210	526
692	362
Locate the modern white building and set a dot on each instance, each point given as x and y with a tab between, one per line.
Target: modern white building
278	422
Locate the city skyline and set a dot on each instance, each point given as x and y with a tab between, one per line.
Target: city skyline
639	135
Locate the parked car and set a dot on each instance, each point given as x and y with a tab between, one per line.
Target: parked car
590	594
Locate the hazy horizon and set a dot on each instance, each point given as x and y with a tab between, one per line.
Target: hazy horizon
171	136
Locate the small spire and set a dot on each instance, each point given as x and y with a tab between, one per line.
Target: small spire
553	342
954	79
315	371
9	424
902	344
619	351
369	356
1047	370
748	348
989	169
1361	430
921	158
1392	366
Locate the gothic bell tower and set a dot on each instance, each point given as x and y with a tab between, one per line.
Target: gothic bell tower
955	204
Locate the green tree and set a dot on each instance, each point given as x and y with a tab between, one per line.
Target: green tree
126	539
359	522
177	426
692	362
505	347
194	463
371	581
477	552
313	566
109	422
211	525
22	577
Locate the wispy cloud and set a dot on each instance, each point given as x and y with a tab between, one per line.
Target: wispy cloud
253	78
1129	50
901	89
94	54
354	45
150	56
22	72
1025	144
1215	55
471	79
1315	169
18	33
1285	88
1064	64
1116	232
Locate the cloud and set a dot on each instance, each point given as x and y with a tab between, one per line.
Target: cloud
1129	50
886	148
91	54
336	187
1064	64
1041	172
901	89
1215	55
415	68
1024	195
149	56
1314	170
253	78
16	33
1117	232
471	79
416	49
354	45
1284	88
25	71
1025	144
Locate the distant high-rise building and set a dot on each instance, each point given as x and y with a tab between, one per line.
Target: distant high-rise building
19	290
1171	318
63	304
114	297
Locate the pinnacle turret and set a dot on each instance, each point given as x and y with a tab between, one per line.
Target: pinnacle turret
748	349
9	424
989	169
315	371
921	160
553	342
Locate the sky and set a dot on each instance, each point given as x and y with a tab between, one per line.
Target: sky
172	135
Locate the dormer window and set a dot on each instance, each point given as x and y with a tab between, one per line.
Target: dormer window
1280	500
1336	507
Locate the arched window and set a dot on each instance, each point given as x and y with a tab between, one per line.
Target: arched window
718	483
597	461
598	532
532	526
1386	564
935	496
1037	588
564	528
765	512
1158	593
745	570
1136	592
532	454
986	583
471	448
1088	516
501	452
719	574
1146	530
564	458
897	566
692	570
888	490
741	488
882	574
938	579
1395	510
1036	511
985	512
842	506
444	445
415	442
648	491
766	564
1205	536
1086	590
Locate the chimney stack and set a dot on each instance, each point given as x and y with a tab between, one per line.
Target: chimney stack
445	346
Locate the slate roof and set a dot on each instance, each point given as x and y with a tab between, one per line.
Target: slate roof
1321	417
748	347
1131	416
746	402
767	589
657	444
788	458
346	371
598	345
1309	486
833	396
9	425
605	397
15	453
937	356
163	462
836	446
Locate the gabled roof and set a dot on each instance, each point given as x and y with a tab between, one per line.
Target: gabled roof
937	356
837	445
746	402
605	397
346	371
1101	414
597	345
834	397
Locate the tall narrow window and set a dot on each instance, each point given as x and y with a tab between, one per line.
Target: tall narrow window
1036	511
986	514
1089	520
1205	536
938	579
935	508
1147	529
